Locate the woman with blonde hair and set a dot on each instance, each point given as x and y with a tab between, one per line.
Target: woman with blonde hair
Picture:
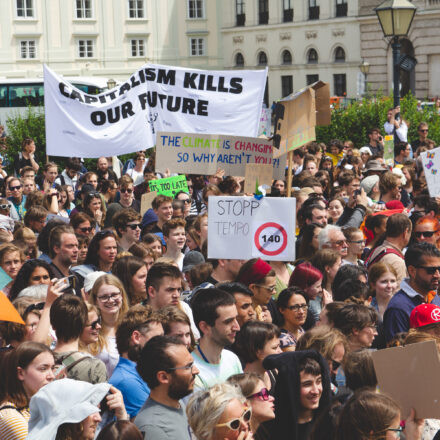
108	295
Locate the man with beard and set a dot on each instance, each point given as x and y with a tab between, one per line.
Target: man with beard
167	367
215	315
423	264
138	326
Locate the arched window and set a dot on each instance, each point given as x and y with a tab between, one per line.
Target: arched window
312	56
239	60
262	59
339	55
287	57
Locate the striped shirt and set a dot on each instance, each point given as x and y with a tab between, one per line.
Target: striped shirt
13	423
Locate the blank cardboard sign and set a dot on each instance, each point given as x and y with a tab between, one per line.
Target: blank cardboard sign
410	375
257	171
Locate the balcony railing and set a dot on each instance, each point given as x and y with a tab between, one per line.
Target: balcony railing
314	13
341	10
288	15
241	19
264	17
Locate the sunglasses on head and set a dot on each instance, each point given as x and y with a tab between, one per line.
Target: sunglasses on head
32	307
5	206
234	424
134	226
261	395
430	270
126	190
427	234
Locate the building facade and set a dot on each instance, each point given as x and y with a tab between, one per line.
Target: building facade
422	43
300	41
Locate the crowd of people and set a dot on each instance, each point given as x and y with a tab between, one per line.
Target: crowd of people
131	331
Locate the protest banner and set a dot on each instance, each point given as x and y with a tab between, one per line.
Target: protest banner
388	149
169	186
257	172
205	154
431	166
146	201
245	227
8	312
154	98
405	373
265	122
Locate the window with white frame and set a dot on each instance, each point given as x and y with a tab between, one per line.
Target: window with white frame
197	47
25	8
137	48
83	8
136	8
86	48
28	49
196	9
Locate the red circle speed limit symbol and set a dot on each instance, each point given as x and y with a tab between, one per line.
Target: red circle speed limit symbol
270	239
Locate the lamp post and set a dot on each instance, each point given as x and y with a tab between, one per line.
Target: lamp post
395	18
365	68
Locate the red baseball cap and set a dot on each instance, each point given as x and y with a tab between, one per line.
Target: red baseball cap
424	314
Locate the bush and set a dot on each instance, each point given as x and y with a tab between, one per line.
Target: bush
352	123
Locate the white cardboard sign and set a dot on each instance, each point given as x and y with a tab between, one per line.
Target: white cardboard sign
244	228
431	167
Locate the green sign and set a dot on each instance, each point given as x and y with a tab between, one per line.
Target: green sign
169	186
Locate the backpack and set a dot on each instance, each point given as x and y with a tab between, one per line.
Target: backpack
66	363
369	261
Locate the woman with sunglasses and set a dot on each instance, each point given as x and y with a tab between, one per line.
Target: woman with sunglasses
370	415
187	202
219	413
33	272
293	307
427	229
83	224
261	402
89	339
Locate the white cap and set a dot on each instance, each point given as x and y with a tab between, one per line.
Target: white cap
365	150
89	280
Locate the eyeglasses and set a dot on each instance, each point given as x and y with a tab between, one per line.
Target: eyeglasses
234	424
430	270
13	188
398	431
339	242
88	230
107	298
134	226
6	206
261	395
126	190
185	367
32	307
94	324
298	307
427	234
269	289
357	241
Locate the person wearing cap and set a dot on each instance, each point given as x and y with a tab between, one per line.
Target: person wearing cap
167	367
138	326
175	238
426	318
375	142
128	228
374	167
215	315
365	153
370	185
69	408
423	263
191	259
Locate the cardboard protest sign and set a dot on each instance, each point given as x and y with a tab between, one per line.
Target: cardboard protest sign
265	122
169	186
8	312
297	115
407	375
244	228
388	149
146	200
431	166
257	172
154	98
205	154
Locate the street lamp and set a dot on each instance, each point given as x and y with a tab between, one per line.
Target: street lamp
365	68
111	83
395	18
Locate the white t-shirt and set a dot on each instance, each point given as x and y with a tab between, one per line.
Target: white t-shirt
212	374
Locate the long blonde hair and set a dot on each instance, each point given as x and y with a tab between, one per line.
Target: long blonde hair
109	280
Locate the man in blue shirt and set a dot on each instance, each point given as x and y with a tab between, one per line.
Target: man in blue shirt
422	261
139	325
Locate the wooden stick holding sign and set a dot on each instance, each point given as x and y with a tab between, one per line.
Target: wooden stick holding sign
289	173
